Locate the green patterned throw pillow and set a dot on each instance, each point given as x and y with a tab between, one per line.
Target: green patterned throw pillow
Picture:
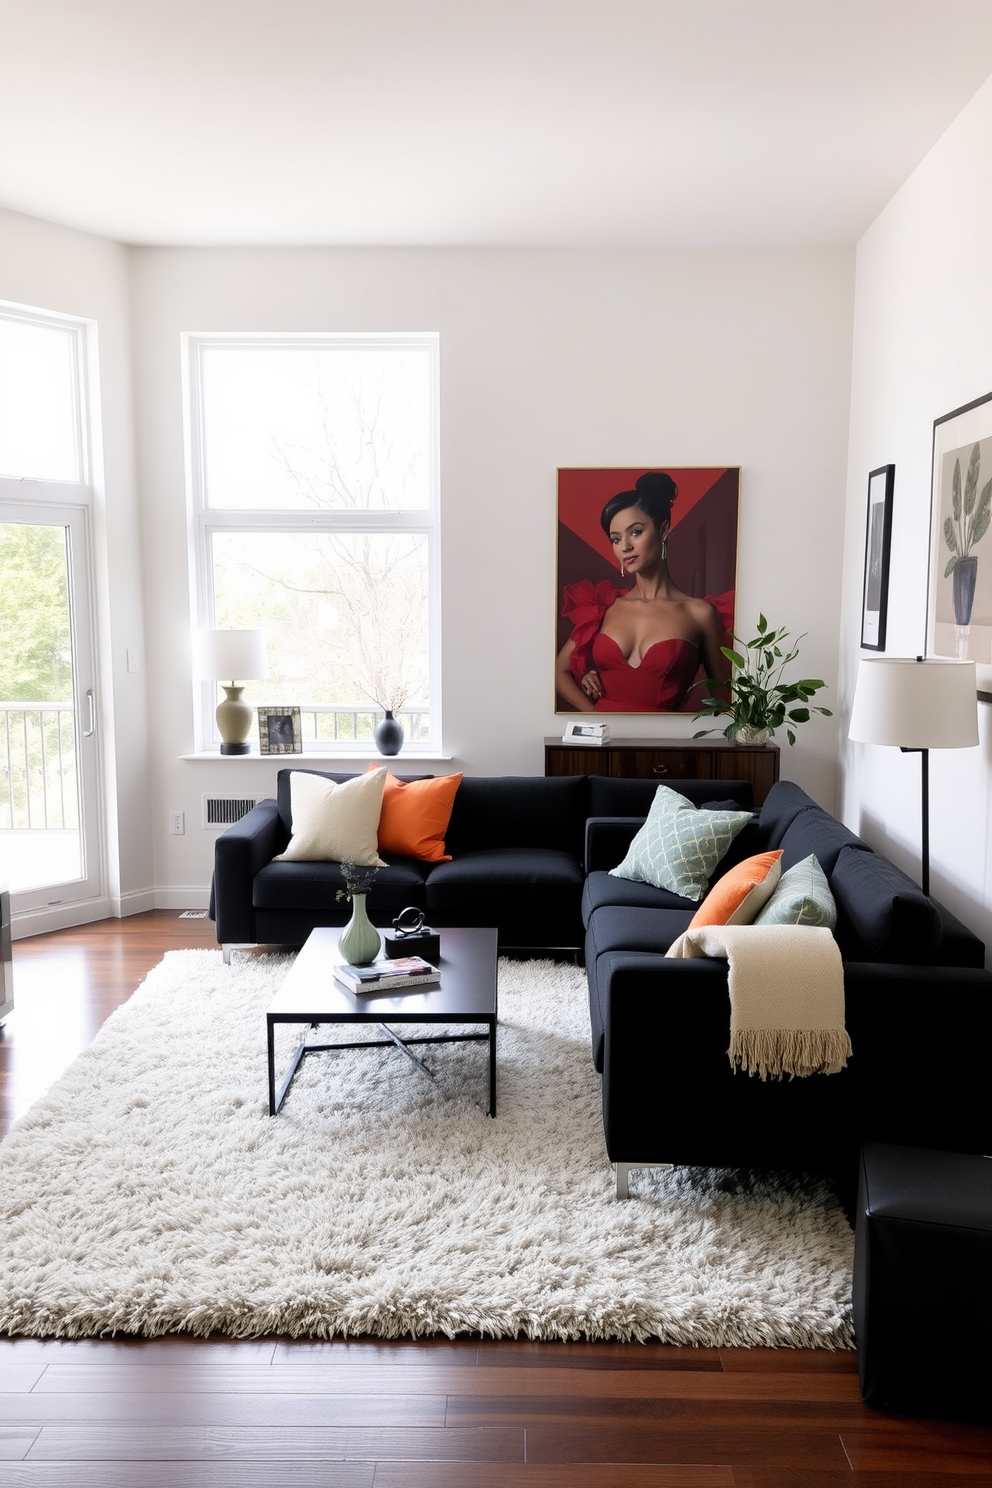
680	844
802	897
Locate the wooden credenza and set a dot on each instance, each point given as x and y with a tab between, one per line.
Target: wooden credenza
668	760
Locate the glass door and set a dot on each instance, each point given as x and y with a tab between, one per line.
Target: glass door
49	812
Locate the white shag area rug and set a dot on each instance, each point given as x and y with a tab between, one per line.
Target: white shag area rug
150	1192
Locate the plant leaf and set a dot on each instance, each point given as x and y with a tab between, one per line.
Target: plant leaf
971	480
950	567
983	511
735	657
950	536
956	491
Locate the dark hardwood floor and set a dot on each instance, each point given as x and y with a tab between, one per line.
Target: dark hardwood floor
124	1413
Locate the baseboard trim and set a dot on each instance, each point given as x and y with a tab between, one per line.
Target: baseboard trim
138	901
27	922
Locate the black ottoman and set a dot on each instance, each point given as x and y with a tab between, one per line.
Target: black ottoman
923	1282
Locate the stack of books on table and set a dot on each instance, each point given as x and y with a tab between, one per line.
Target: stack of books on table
389	976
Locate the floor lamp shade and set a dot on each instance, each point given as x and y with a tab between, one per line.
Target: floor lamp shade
916	704
233	657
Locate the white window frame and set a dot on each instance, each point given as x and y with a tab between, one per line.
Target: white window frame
205	521
71	504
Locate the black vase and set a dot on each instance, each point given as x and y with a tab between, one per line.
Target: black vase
388	734
963	577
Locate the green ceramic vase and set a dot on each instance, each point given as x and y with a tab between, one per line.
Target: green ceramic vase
360	941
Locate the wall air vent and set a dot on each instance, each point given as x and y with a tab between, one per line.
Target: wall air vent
221	811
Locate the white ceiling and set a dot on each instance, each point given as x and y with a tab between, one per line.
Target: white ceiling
531	122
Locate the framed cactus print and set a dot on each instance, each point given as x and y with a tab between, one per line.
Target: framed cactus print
959	594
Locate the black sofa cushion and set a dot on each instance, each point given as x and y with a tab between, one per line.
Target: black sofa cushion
780	808
536	887
881	914
604	889
816	832
617	797
514	811
623	928
314	886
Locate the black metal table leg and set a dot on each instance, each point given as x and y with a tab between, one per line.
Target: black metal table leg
492	1068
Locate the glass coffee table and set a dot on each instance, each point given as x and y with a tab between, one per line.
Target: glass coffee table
310	995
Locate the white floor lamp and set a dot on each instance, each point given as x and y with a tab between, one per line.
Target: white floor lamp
916	705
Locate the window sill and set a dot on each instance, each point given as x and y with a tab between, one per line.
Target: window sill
353	756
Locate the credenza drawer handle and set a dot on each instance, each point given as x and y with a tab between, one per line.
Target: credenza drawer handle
659	769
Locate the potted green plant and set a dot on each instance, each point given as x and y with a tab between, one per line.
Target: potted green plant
756	699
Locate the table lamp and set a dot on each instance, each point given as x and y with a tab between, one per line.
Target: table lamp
916	705
232	654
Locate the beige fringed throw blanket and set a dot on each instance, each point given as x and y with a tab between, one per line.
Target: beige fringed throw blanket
786	987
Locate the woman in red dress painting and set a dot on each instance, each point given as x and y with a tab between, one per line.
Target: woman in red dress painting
637	650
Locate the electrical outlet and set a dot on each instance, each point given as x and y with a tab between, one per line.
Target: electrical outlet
133	659
177	823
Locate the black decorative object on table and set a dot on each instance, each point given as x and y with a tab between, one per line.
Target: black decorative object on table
411	937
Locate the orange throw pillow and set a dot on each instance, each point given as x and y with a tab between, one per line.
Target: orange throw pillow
415	816
737	897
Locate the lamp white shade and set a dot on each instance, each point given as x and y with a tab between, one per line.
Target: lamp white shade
232	655
915	703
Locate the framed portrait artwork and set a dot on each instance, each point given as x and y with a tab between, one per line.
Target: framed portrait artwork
878	533
646	585
280	731
959	592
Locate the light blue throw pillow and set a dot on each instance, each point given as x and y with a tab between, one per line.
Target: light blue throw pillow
680	844
802	897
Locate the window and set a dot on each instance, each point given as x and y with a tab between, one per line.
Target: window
40	399
313	478
50	838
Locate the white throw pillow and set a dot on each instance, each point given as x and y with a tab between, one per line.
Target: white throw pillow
338	823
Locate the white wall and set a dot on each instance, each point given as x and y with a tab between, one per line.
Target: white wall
548	358
922	347
56	268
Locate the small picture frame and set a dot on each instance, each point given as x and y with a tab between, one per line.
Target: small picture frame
878	536
280	731
577	731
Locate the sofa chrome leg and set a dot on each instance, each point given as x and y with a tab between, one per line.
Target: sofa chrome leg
226	952
624	1169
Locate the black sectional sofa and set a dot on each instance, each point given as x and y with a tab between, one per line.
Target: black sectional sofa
516	845
530	855
918	1011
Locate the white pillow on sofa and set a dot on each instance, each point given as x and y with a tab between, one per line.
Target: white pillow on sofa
336	822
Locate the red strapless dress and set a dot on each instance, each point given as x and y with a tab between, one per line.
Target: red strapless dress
666	671
658	684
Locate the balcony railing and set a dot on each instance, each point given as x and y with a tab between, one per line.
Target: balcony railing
38	788
337	723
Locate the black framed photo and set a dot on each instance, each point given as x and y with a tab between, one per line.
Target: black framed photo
280	731
878	534
959	592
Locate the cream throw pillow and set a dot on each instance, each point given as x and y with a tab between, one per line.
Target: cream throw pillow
338	823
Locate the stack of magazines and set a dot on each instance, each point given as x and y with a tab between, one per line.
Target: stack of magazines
389	976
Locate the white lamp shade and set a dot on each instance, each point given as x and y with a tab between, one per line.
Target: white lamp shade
232	655
914	703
